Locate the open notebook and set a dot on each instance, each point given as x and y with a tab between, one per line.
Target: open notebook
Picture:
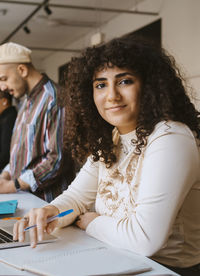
74	253
6	237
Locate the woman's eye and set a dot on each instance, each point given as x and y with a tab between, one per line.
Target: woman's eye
126	81
99	85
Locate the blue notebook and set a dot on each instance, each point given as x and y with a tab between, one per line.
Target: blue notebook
8	207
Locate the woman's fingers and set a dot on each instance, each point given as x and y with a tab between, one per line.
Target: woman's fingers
41	222
83	220
37	217
18	230
51	211
33	231
51	226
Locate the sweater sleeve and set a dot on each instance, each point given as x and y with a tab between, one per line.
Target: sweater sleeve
80	195
169	169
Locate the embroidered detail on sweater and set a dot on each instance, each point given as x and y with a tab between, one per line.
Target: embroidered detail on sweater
117	191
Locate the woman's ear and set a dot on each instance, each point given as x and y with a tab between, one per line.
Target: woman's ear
22	69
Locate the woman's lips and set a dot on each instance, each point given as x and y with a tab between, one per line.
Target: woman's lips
116	108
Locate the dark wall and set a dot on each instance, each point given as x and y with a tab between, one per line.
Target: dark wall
152	32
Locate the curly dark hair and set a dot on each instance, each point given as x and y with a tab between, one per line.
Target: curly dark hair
163	96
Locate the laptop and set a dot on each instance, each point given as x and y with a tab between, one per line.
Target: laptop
6	236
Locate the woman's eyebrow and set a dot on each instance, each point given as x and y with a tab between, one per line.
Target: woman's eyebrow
123	74
99	79
116	76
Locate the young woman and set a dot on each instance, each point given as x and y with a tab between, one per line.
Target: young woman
128	113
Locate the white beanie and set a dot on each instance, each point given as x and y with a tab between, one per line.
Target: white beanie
14	53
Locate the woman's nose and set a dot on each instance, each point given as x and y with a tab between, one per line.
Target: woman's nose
113	94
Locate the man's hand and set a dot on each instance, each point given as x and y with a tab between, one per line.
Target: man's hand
5	175
7	186
83	220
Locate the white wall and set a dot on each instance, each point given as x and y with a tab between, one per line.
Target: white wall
180	36
181	27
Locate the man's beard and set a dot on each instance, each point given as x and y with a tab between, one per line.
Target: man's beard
24	88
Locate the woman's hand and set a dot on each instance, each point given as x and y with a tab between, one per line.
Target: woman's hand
83	220
39	217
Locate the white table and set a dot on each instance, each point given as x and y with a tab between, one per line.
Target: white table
26	201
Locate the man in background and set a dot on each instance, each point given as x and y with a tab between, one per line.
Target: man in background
36	146
8	114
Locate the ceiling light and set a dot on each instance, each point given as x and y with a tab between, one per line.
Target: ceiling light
47	10
27	30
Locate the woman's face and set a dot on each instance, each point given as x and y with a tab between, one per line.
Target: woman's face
116	95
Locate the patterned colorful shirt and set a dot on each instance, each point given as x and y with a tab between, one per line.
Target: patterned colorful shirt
36	146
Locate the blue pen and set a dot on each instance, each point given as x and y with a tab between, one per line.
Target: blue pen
52	218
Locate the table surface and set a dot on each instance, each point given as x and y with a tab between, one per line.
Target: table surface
26	201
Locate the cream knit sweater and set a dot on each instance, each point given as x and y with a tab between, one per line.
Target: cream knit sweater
149	204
